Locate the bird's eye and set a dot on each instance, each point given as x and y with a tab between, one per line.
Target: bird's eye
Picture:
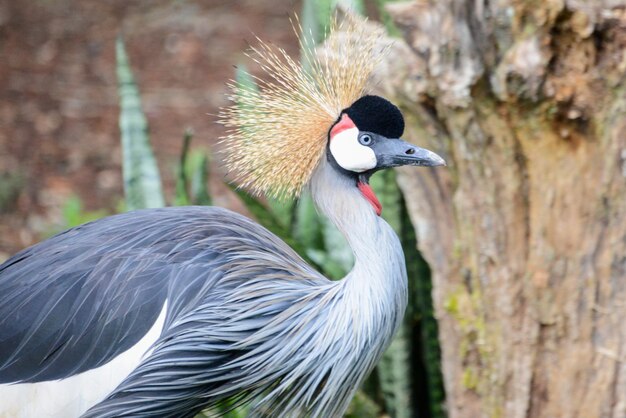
365	139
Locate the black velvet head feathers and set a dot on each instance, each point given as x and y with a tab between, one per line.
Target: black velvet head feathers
377	115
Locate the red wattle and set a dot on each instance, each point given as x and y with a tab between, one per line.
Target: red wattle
369	194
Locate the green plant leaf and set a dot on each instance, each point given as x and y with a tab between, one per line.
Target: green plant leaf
142	182
386	189
192	175
315	19
354	5
266	218
228	409
391	27
394	376
327	265
244	79
337	248
307	227
199	175
362	406
282	210
314	22
74	214
182	196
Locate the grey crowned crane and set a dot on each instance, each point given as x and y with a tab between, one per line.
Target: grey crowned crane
165	312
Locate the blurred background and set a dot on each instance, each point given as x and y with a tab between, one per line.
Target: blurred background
516	252
59	105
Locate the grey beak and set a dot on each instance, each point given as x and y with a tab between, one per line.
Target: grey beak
394	152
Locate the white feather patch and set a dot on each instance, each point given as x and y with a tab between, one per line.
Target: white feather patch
73	396
349	153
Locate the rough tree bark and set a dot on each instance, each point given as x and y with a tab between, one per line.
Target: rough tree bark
526	230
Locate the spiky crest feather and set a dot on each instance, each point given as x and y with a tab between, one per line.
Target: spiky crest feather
276	135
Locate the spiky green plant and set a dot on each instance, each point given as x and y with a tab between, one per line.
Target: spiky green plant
142	181
192	175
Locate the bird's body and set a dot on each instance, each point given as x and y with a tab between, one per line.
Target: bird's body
211	282
165	312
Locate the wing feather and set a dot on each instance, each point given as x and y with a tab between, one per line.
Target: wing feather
75	301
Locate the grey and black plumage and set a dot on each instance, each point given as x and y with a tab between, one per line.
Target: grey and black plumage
165	312
108	280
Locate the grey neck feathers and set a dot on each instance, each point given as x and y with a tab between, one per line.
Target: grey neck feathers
377	285
333	333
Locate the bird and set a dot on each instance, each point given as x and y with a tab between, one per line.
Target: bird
167	312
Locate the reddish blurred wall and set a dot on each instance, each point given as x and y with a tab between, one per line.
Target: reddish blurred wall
58	97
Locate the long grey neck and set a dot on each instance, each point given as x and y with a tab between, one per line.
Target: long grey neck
378	278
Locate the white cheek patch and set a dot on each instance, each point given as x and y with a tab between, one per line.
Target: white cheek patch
349	153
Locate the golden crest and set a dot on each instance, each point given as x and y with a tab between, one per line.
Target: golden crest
276	135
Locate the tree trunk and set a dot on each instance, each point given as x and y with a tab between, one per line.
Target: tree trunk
525	231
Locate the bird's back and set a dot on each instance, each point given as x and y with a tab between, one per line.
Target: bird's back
77	301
